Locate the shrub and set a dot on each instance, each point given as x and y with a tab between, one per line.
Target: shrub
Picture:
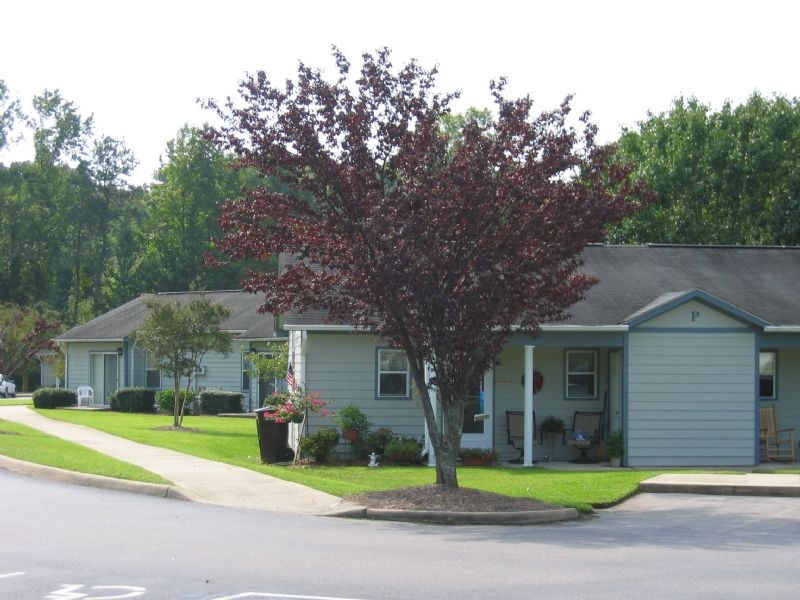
53	397
214	402
165	399
376	441
350	418
320	444
403	449
134	400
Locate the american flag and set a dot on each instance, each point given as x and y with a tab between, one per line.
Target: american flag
290	380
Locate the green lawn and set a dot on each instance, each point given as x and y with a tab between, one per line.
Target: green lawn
24	443
234	441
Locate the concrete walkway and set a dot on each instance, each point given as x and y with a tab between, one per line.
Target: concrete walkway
211	482
194	478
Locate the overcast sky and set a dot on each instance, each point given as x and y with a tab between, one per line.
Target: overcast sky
139	66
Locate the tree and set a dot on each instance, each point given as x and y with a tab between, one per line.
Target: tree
179	336
23	333
441	248
10	113
725	177
184	210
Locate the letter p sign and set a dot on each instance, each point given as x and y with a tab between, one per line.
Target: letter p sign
695	315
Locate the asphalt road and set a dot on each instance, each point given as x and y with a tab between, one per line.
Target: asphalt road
62	541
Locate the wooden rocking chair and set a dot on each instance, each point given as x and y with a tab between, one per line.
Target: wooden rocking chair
776	444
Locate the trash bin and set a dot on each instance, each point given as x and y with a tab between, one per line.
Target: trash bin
273	437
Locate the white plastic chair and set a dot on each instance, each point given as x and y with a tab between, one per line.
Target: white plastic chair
85	394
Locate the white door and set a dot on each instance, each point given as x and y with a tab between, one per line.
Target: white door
480	402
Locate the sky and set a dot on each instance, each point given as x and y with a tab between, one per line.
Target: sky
139	66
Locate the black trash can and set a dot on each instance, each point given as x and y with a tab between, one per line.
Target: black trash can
273	438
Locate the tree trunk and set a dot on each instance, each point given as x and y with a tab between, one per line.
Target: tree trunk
444	432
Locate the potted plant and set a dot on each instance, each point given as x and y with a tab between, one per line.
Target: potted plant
615	446
477	457
352	421
552	425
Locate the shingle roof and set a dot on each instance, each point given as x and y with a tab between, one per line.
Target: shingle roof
245	320
763	281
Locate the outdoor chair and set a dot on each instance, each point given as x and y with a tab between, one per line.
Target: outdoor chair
515	426
587	431
776	444
85	396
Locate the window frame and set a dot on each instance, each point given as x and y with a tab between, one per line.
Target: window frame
774	374
379	372
147	370
568	373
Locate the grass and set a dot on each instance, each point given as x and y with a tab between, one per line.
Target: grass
234	441
31	445
15	401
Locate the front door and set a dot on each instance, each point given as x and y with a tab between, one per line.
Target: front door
103	375
477	432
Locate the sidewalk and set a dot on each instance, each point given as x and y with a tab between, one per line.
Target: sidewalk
194	478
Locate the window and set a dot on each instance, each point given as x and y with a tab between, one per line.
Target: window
766	374
393	376
245	371
152	374
581	374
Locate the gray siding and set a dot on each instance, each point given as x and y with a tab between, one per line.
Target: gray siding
691	398
341	366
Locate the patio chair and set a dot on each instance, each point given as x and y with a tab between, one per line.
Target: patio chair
85	395
515	426
586	433
776	444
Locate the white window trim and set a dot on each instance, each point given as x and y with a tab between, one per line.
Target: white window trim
378	373
774	375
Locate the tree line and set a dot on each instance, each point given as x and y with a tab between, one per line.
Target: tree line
77	240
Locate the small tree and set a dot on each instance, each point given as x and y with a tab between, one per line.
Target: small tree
441	235
179	336
23	332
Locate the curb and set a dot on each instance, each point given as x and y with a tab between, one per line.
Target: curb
22	467
531	517
720	489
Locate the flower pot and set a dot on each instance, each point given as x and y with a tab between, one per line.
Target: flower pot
351	435
476	461
615	461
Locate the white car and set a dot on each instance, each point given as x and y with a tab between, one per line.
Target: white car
7	387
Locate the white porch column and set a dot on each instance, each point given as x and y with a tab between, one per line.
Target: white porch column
529	433
434	398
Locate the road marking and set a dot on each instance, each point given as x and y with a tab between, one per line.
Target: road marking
279	596
15	574
69	591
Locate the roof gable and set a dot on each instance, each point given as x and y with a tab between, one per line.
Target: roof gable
673	300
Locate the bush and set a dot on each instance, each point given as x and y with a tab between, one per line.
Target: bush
320	444
54	397
214	402
134	400
403	449
165	399
376	441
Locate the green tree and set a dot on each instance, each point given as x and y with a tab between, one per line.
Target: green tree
10	114
725	177
184	208
178	336
111	160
